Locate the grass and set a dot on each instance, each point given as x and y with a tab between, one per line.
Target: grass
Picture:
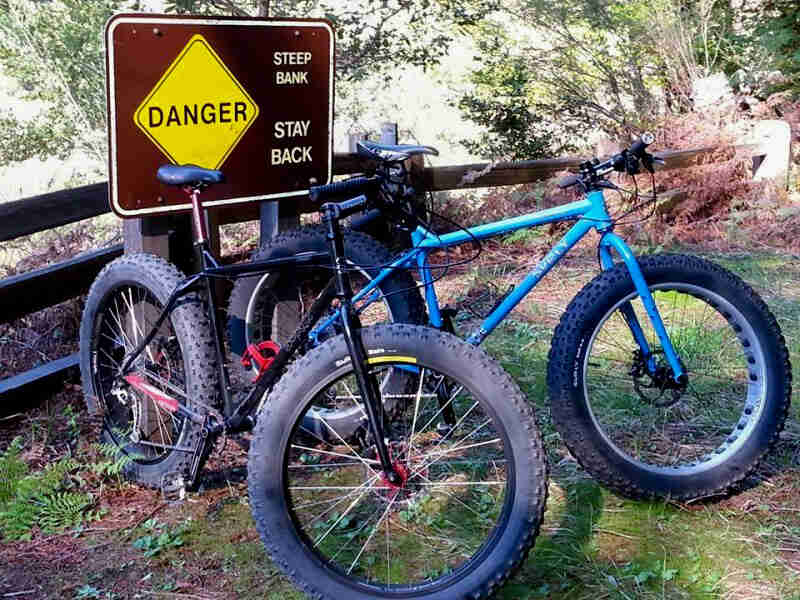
593	544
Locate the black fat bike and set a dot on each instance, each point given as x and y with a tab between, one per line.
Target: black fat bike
435	489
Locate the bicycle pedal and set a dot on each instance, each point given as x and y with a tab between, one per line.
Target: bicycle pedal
253	354
173	487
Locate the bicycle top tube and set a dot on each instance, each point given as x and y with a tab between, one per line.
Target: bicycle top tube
588	213
592	208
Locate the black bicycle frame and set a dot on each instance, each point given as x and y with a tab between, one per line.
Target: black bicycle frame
240	416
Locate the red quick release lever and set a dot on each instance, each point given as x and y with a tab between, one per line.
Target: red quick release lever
253	354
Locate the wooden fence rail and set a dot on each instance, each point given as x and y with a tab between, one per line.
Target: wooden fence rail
29	292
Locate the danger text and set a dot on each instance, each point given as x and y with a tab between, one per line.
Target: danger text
195	114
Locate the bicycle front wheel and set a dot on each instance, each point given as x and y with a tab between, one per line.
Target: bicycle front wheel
473	486
635	430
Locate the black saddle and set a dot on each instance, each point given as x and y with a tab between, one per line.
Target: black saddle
392	153
188	175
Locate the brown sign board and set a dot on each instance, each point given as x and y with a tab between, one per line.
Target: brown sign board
251	97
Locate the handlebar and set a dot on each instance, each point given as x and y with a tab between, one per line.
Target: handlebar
356	185
627	160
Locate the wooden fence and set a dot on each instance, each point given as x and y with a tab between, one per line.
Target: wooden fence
26	293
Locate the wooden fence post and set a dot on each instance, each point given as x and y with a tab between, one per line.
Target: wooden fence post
170	237
353	139
147	234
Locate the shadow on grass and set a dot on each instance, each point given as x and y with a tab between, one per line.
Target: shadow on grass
564	542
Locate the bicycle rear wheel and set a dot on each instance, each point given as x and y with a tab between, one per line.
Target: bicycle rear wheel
473	491
270	307
123	305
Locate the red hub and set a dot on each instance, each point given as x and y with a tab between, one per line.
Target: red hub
402	473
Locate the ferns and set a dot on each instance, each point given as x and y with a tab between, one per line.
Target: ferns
39	499
63	510
12	468
115	462
49	499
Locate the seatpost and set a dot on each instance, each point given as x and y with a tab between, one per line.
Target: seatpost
351	324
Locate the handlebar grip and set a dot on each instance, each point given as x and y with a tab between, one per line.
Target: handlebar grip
568	181
345	208
340	188
353	205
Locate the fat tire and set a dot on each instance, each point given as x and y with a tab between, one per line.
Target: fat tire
437	350
570	409
401	291
193	333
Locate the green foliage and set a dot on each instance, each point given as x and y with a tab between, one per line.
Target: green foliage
114	463
158	538
12	469
501	105
549	72
582	65
63	510
371	37
39	499
89	591
55	53
778	29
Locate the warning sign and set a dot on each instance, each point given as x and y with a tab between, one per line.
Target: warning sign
251	97
192	123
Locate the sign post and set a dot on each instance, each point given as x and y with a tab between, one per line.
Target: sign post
252	97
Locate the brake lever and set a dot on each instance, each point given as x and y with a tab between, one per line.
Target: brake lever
648	160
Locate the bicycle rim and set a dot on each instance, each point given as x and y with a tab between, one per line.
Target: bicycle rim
137	424
454	499
686	432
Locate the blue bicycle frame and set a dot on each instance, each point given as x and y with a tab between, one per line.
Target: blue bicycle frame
589	213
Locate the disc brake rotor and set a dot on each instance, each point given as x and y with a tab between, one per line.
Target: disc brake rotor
653	387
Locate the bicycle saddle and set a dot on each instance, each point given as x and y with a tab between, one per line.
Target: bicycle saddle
392	152
188	175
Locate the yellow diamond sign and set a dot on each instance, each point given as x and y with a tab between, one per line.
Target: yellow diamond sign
198	111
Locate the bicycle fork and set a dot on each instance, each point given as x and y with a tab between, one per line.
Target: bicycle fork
351	326
607	242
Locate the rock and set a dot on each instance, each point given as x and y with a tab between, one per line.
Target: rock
713	92
773	138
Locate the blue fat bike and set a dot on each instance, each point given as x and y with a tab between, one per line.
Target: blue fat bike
668	375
